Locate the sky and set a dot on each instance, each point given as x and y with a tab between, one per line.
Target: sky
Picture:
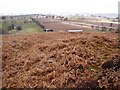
58	6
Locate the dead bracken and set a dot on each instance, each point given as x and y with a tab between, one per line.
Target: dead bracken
61	60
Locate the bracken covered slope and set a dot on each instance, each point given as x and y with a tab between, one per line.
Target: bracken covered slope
61	60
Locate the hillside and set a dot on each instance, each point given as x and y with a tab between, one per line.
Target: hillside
61	60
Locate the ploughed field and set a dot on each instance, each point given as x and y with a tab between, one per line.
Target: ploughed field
58	25
61	60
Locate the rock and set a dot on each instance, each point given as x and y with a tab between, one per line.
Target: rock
111	64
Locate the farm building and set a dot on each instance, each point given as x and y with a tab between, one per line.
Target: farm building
48	30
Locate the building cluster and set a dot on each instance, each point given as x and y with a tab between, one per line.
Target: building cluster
53	17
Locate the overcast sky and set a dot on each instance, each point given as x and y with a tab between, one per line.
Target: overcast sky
58	6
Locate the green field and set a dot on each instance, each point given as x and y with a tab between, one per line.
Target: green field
29	27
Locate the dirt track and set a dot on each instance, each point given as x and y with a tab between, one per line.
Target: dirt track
58	60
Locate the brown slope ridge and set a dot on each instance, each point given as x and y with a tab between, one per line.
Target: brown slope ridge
59	60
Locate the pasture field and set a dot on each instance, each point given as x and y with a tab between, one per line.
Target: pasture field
28	27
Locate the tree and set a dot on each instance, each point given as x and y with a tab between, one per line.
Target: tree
11	17
3	17
19	28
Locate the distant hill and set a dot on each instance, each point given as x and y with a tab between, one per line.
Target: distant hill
109	15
